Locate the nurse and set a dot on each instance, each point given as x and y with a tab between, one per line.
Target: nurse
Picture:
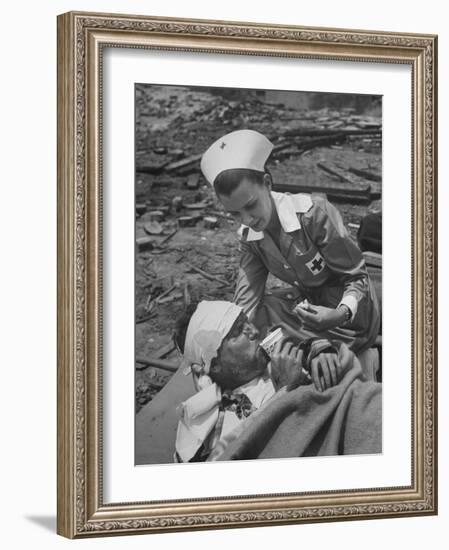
298	238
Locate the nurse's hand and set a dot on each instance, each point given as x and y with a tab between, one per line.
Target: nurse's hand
319	318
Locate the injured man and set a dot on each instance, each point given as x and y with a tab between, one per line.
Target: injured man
260	400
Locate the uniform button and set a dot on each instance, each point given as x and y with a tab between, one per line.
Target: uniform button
296	283
286	266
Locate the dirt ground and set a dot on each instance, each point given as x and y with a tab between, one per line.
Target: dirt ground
174	126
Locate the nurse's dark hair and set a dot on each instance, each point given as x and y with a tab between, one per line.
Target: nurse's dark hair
227	181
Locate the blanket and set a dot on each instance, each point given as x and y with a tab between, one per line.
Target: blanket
344	419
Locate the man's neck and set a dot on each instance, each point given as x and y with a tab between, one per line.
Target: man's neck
248	383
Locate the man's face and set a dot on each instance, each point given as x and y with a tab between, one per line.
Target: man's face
240	356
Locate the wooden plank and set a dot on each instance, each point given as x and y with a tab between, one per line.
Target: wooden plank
334	194
313	131
342	175
367	174
183	163
158	363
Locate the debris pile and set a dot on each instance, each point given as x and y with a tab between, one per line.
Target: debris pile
186	246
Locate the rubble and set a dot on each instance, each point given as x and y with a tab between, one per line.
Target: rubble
141	208
187	221
156	215
153	228
196	205
159	363
340	174
365	174
168	237
362	195
144	244
195	256
185	163
193	181
206	274
210	222
177	203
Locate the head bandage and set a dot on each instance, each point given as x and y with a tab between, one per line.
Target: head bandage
240	149
208	327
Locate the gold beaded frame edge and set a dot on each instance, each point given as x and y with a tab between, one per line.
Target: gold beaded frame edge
81	37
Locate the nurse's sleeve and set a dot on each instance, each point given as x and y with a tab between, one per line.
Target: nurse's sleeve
251	279
341	254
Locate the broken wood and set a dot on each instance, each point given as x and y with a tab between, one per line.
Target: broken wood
335	194
187	221
153	228
218	214
365	174
206	274
156	215
176	153
337	172
164	208
193	181
145	318
148	305
151	302
186	162
168	237
309	132
141	208
210	222
326	141
144	244
281	146
158	363
196	205
286	153
368	125
162	352
149	272
169	299
177	203
298	148
151	168
163	294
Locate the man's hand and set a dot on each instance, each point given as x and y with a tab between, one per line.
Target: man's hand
319	318
325	370
286	365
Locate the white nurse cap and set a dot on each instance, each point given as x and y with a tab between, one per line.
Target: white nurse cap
240	149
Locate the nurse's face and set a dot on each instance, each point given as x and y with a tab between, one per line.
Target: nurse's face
250	203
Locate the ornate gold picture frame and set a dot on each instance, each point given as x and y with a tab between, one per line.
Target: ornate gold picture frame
82	41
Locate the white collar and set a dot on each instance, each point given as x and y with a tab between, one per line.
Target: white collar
288	207
199	413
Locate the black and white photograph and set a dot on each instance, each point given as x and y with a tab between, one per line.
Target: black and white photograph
247	283
258	274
